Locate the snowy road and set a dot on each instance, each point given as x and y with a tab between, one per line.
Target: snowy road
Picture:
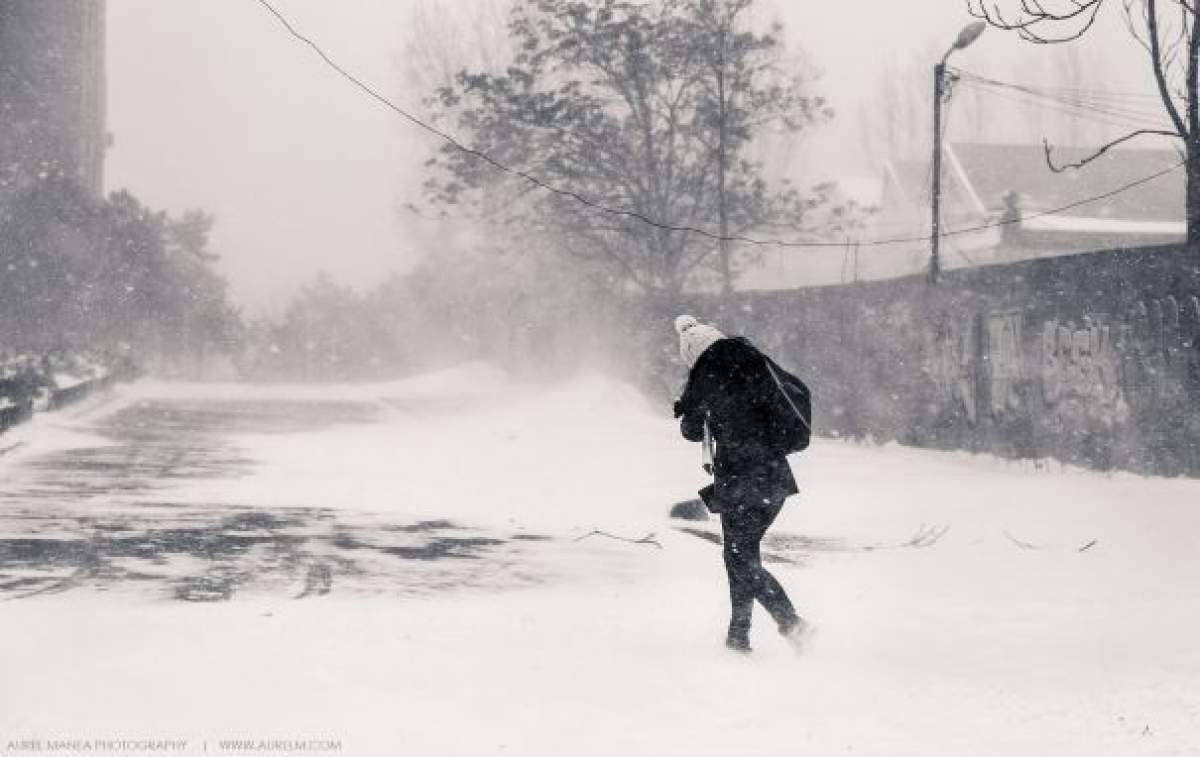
102	517
400	570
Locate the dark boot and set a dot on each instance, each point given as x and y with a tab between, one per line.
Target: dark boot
739	643
797	633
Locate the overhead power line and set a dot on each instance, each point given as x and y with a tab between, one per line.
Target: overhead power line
1080	104
1097	105
1118	121
1066	93
634	215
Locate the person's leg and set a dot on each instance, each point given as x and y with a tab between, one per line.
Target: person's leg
767	590
739	553
743	528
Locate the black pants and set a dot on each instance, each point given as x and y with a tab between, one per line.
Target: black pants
744	523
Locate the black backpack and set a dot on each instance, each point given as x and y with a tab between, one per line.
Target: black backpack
792	408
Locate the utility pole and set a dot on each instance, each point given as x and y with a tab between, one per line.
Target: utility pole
968	35
935	234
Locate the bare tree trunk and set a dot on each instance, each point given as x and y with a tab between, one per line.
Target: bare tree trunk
1192	206
1191	136
722	206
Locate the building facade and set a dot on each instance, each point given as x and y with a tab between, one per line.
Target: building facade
52	93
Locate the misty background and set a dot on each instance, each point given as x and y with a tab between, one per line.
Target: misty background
211	105
254	191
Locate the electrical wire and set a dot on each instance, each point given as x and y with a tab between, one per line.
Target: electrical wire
1118	122
1072	107
1078	102
631	214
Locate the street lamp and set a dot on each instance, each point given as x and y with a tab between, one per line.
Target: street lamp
967	36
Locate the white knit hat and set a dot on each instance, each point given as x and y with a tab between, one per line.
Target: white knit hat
694	338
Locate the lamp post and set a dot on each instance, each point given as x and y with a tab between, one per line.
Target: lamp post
968	35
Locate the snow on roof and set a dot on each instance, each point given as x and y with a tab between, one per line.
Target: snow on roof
1062	223
67	380
991	171
996	170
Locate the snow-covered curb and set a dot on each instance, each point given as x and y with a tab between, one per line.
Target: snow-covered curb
57	430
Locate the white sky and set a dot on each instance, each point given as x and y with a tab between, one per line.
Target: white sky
213	106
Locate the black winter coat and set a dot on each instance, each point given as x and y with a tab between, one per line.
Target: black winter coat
731	387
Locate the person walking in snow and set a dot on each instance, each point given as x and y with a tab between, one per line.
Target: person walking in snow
728	404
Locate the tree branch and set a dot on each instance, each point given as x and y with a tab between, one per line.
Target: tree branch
1020	543
1036	15
1160	76
1193	76
1081	163
647	539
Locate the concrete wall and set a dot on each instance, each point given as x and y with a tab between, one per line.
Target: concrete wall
1090	358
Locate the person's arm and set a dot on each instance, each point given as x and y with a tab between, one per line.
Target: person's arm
692	426
691	411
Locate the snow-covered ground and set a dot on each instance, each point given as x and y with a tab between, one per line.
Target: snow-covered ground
1056	614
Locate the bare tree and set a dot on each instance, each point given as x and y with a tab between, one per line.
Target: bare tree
894	124
747	88
441	40
1165	28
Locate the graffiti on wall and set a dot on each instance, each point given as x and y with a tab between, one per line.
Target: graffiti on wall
1189	344
1098	367
954	365
1081	368
1004	363
1159	349
976	364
